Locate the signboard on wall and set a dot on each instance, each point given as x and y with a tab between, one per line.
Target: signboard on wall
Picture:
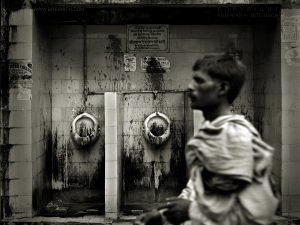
148	38
290	28
20	78
290	37
20	74
158	62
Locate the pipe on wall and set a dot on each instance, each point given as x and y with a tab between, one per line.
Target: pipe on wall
85	89
137	92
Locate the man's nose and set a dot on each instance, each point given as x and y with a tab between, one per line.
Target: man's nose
190	87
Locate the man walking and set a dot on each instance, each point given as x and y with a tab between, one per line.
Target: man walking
229	164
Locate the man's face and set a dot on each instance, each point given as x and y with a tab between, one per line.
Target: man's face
203	91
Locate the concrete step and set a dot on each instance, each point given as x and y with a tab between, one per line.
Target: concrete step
84	220
101	220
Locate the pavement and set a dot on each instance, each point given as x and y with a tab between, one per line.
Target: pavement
84	220
101	220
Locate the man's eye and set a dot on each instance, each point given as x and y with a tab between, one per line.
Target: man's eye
198	80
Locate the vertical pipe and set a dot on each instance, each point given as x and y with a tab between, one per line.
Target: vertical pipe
1	119
85	91
66	165
184	126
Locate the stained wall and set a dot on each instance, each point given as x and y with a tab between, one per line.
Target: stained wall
41	116
17	170
78	172
267	89
290	112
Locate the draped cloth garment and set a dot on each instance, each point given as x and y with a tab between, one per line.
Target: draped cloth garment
230	148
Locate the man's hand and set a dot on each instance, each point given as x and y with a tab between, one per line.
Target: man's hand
176	210
149	218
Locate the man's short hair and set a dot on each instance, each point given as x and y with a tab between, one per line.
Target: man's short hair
224	67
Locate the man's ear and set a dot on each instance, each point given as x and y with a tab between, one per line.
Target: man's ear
224	87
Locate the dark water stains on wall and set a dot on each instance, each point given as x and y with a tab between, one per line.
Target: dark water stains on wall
112	77
173	182
42	192
153	178
154	76
259	108
55	160
78	170
97	181
76	174
244	110
152	173
6	208
114	61
134	169
62	52
4	156
113	80
56	67
14	31
35	198
48	156
115	44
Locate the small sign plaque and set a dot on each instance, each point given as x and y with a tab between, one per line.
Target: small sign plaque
292	53
290	31
20	74
129	62
148	38
158	62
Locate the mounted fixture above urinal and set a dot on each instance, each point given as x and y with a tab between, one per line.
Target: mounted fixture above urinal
157	128
85	129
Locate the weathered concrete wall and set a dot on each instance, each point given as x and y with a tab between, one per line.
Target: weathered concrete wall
290	112
267	88
41	115
19	189
78	173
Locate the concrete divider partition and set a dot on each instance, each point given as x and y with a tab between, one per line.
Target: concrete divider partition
113	134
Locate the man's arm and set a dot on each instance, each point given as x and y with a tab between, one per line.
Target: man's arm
176	210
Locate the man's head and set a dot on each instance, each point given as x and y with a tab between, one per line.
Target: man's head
216	79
